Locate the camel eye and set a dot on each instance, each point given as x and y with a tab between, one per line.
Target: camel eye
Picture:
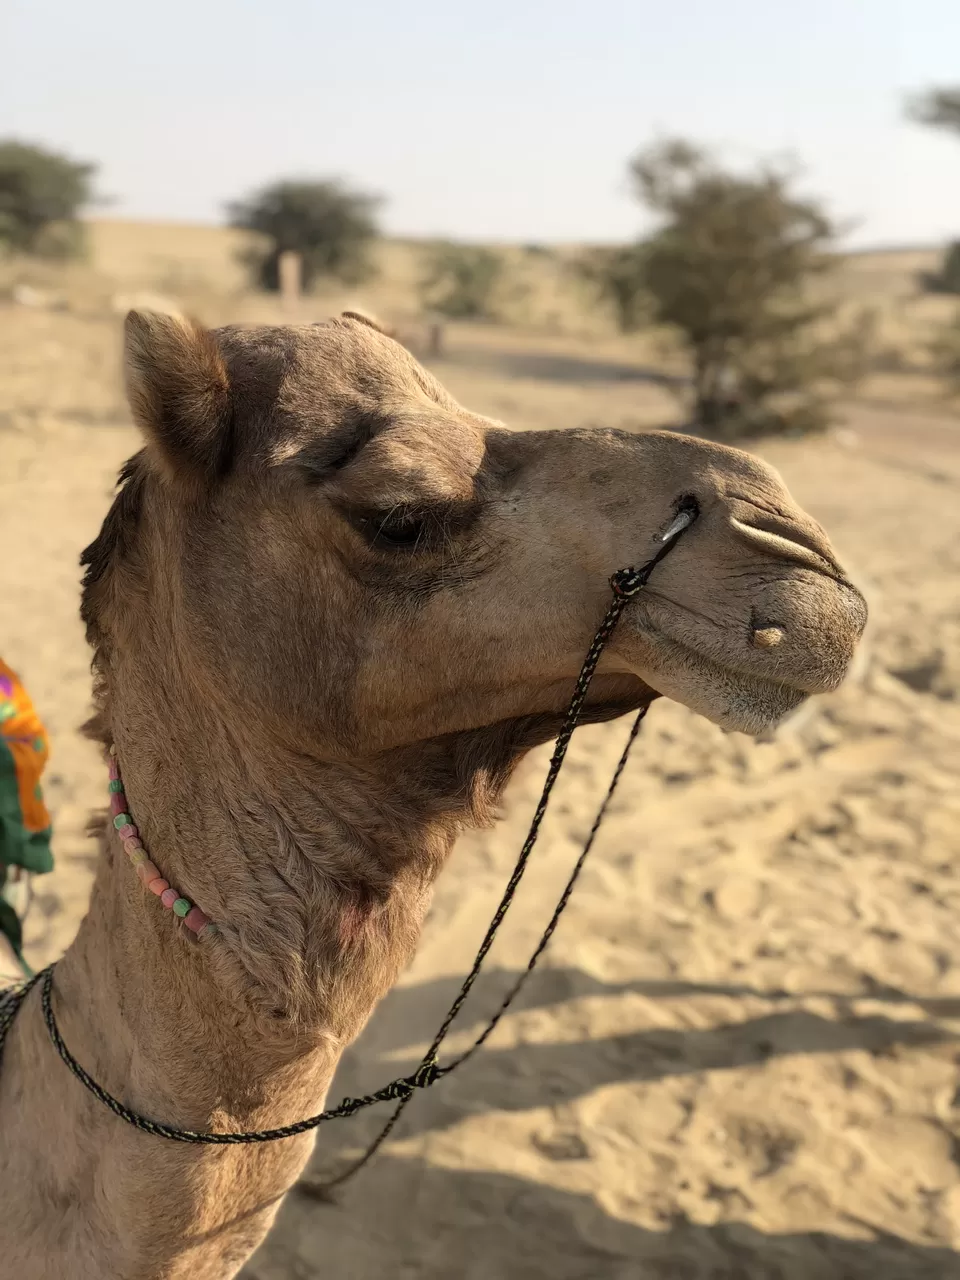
397	530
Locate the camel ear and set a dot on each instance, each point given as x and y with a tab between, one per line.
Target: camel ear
179	393
362	317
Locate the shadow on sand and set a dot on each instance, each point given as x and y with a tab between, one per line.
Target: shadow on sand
403	1219
410	1014
532	1075
407	1218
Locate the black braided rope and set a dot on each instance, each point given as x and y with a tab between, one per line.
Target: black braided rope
10	1001
562	902
424	1075
625	584
320	1189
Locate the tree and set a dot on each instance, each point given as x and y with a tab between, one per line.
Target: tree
41	196
944	350
331	227
732	271
946	279
460	280
938	108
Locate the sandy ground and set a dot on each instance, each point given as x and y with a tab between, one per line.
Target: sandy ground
741	1058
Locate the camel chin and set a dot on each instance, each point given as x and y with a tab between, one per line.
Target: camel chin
736	701
755	708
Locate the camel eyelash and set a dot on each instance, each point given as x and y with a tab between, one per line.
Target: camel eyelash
413	528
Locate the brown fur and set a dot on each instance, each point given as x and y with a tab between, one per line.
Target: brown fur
178	392
308	713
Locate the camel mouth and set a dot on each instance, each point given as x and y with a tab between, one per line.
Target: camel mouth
737	700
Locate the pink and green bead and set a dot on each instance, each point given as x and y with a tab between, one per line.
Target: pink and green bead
147	872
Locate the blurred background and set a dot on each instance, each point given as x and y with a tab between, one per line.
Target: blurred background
741	1059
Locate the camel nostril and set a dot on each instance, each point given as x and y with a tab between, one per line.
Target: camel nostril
785	540
767	637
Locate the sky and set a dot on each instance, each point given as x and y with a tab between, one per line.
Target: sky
504	120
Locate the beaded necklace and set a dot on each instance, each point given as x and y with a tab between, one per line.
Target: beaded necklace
147	872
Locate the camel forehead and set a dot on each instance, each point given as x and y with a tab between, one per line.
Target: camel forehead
323	391
338	361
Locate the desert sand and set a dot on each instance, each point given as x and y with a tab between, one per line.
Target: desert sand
741	1057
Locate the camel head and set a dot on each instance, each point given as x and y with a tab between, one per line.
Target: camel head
320	538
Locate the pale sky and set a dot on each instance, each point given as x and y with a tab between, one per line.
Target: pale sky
497	120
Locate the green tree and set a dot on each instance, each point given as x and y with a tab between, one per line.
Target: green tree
732	271
946	279
944	351
41	196
938	108
331	227
460	280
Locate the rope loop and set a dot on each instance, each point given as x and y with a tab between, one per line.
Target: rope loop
425	1075
627	582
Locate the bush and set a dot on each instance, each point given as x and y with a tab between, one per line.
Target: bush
329	226
731	271
41	196
460	280
944	351
618	278
947	279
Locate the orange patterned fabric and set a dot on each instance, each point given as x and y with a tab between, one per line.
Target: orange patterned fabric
23	737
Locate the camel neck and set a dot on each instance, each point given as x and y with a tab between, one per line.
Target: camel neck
316	877
235	1032
161	1026
160	1019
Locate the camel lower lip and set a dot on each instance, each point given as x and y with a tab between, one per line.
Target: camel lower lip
740	701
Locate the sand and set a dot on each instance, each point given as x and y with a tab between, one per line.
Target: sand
740	1058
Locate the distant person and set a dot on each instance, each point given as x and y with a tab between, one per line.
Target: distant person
24	820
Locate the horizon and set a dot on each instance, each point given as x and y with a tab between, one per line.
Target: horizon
511	131
860	250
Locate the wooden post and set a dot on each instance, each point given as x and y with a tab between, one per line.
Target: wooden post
435	337
290	274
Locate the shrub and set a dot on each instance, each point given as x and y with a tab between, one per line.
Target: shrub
617	276
460	280
944	351
947	278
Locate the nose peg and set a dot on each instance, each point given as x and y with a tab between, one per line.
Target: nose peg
681	521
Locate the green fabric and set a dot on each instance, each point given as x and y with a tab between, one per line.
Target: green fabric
10	926
18	847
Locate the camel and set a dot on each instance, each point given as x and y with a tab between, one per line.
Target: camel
330	611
